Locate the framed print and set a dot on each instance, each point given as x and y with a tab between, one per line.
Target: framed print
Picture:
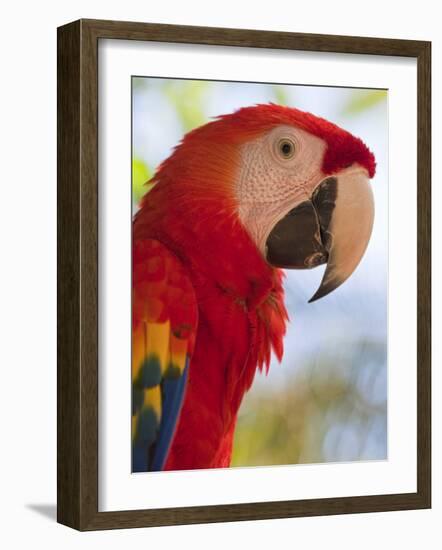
243	275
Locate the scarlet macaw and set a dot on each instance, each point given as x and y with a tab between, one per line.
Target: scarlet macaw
265	188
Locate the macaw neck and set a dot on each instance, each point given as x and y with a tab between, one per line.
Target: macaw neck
209	239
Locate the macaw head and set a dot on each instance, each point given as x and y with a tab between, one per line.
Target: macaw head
298	184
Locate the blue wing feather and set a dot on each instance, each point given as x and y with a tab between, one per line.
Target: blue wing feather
173	391
165	318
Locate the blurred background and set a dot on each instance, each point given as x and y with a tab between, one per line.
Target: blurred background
327	400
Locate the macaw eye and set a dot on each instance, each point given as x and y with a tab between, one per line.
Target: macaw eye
286	148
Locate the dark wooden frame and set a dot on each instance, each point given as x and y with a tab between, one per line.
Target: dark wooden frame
77	432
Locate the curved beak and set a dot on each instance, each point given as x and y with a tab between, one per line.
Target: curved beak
333	227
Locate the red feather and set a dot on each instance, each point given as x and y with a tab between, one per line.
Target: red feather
191	210
241	318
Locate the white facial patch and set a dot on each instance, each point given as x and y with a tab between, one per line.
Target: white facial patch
278	171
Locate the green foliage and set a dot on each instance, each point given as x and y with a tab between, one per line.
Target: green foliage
141	174
188	98
362	100
281	97
290	425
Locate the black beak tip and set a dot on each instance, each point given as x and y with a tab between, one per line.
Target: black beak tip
315	297
323	290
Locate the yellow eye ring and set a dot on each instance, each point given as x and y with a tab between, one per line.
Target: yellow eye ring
286	148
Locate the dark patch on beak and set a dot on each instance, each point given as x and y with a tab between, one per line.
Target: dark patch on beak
300	239
324	201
